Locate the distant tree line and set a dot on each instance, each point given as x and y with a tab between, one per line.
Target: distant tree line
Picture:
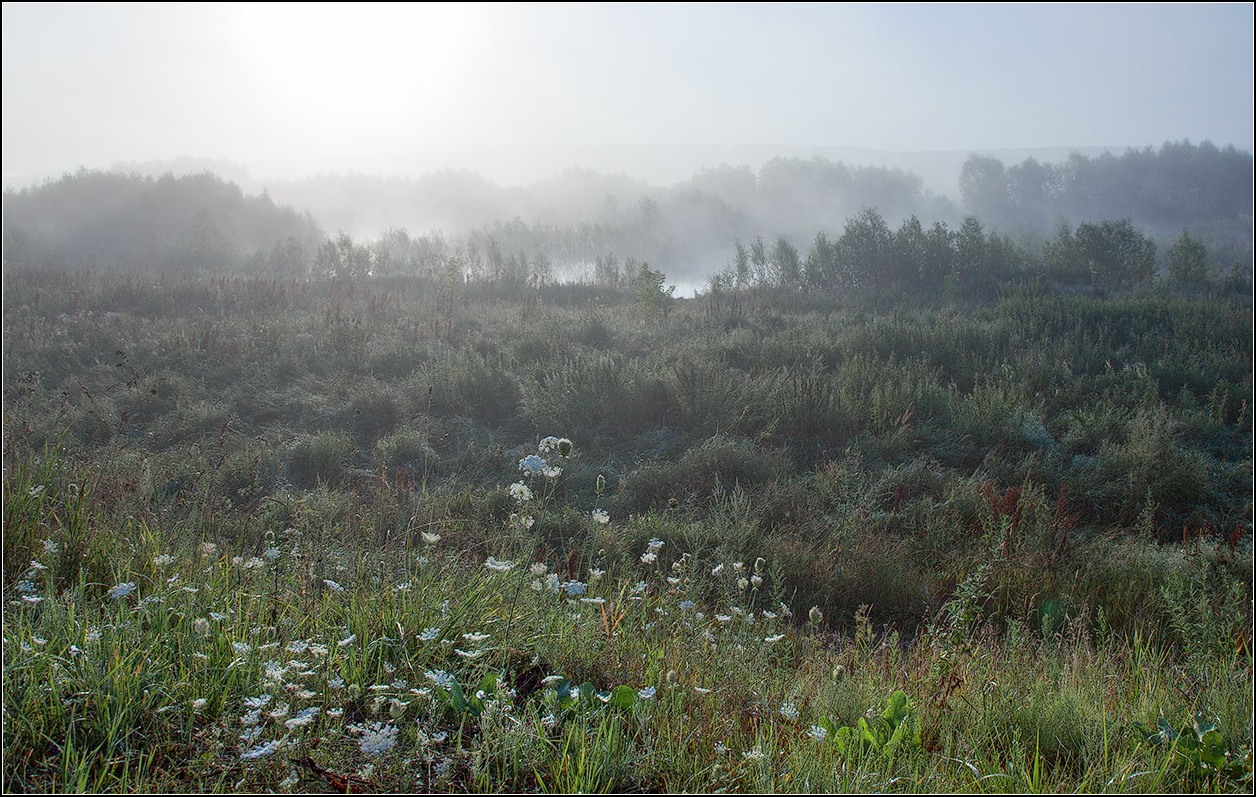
869	256
1180	185
903	240
118	222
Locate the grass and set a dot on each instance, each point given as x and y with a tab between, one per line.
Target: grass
200	678
335	585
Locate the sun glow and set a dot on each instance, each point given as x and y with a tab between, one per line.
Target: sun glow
352	73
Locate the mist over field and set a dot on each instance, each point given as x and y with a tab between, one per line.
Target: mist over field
563	398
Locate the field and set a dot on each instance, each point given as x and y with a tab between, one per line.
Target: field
422	534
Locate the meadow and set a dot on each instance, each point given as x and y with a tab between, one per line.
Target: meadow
394	534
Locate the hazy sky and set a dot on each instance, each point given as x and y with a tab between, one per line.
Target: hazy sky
292	90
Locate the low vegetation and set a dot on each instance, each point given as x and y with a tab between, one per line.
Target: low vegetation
420	533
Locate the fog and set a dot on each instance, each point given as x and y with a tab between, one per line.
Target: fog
520	93
670	132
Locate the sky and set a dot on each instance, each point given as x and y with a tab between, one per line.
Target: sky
518	92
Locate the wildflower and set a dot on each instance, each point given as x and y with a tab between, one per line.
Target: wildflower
522	521
533	465
548	444
241	648
347	641
574	588
654	544
200	626
721	748
753	755
715	571
815	615
279	711
789	711
773	638
723	618
429	634
756	581
520	492
25	587
767	615
35	491
122	590
431	538
818	733
538	569
649	557
595	574
51	546
332	585
686	605
473	654
262	750
32	599
498	565
208	549
377	739
257	702
217	616
271	554
742	583
251	718
647	693
476	638
164	560
199	703
702	690
305	717
441	678
601	516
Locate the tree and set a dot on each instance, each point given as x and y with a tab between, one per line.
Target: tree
1188	261
786	264
741	266
864	249
759	260
1115	252
939	256
983	187
820	269
910	247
